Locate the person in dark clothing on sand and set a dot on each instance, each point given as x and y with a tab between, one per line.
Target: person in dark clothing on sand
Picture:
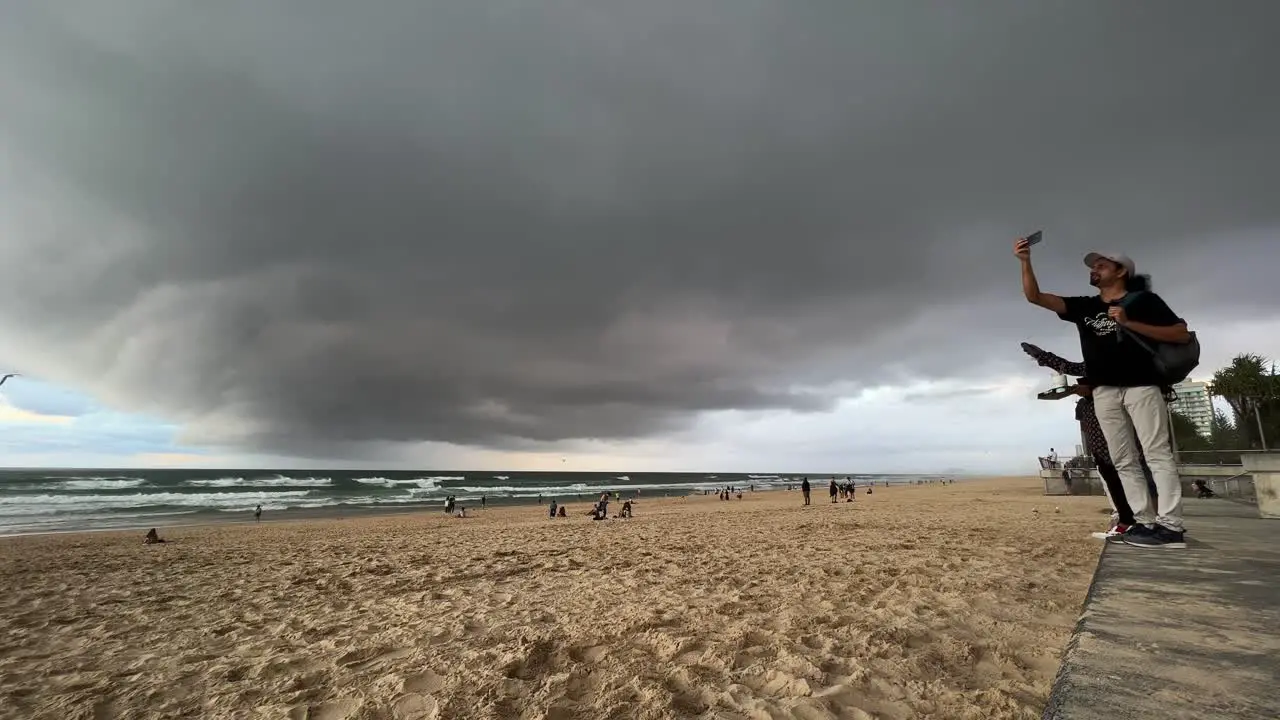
552	509
804	488
152	537
1122	513
257	514
834	490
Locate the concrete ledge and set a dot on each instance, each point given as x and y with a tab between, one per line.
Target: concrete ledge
1173	634
1231	482
1265	470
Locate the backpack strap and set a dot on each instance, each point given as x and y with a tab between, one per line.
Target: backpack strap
1129	297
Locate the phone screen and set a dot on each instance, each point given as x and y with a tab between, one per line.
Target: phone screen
1034	238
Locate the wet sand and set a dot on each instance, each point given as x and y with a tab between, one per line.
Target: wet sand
946	601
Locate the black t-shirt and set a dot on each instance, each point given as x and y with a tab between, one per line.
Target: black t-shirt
1111	356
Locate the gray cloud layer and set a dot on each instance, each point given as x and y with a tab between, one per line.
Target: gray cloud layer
297	224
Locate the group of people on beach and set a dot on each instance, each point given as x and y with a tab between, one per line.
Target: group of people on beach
1135	349
599	509
838	491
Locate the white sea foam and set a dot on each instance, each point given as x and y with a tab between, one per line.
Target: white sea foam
60	504
274	481
422	482
121	483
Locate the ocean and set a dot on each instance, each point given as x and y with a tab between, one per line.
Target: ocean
45	500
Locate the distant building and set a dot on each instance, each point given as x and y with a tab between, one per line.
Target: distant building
1195	403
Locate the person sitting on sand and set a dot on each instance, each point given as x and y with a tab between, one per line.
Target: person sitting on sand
626	509
561	512
152	537
462	512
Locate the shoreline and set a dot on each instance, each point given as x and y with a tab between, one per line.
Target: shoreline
200	518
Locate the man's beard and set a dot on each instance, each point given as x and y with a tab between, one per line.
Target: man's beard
1094	280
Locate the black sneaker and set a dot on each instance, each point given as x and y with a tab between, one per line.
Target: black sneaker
1131	531
1155	537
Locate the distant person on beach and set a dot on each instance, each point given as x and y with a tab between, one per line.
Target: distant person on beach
626	509
804	488
483	499
257	514
833	490
551	510
561	512
1122	513
1128	389
1052	457
152	537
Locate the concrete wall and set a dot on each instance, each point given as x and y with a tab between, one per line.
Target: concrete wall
1227	481
1265	469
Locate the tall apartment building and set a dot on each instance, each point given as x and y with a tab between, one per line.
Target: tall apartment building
1195	403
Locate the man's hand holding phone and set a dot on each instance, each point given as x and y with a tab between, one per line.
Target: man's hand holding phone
1022	246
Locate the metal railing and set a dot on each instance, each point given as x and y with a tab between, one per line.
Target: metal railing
1212	457
1077	462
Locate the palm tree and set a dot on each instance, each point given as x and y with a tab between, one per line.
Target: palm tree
1250	387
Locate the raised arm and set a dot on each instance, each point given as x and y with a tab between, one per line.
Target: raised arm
1030	287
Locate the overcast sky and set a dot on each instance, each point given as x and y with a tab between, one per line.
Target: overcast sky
659	235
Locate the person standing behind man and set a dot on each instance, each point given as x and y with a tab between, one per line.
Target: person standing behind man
1095	443
1128	393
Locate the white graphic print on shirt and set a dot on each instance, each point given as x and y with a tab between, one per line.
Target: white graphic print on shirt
1101	324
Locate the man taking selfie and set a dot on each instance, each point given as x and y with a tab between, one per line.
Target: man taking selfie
1129	389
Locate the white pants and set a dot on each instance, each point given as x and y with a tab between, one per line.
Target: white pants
1139	415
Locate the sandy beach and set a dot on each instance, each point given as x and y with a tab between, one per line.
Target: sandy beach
932	601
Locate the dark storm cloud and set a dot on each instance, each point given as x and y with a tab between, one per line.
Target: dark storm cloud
293	225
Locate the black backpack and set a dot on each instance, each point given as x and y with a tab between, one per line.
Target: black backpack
1174	361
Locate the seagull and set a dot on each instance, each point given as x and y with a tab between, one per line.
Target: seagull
6	377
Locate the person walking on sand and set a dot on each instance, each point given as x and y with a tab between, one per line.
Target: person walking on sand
804	489
257	514
1128	388
552	508
833	490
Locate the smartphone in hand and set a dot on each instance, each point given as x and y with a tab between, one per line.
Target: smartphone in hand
1035	238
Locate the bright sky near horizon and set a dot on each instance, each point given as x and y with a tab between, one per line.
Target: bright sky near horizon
606	236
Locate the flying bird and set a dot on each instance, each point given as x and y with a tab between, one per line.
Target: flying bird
6	377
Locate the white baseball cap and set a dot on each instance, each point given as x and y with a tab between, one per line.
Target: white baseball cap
1120	259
